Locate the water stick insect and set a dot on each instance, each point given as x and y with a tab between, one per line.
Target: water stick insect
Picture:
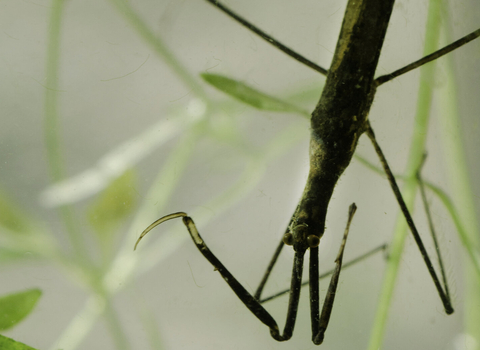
339	119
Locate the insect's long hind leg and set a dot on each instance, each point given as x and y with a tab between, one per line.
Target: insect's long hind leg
443	295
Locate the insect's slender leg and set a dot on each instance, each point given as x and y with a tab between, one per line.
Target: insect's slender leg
248	300
295	288
320	323
268	38
314	287
352	262
432	229
266	275
379	81
444	296
433	56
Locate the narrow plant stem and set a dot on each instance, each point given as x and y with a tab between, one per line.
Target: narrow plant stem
148	320
81	324
462	193
52	128
123	266
417	147
96	306
118	334
160	48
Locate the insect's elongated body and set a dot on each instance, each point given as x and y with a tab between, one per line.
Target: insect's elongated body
341	114
339	119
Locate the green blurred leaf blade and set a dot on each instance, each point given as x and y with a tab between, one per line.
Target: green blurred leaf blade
113	205
249	95
16	306
10	344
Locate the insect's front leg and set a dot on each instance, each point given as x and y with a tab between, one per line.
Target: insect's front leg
250	301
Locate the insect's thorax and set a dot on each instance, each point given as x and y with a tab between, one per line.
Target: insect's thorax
341	114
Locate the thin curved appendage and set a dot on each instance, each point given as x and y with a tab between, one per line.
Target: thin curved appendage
158	222
432	228
447	303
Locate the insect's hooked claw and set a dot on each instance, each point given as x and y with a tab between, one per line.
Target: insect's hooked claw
158	222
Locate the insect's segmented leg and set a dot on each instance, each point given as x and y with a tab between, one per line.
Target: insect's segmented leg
443	295
380	80
268	38
249	300
433	56
268	271
294	298
320	324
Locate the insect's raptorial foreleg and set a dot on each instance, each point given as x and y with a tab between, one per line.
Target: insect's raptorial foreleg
249	300
443	295
320	323
268	38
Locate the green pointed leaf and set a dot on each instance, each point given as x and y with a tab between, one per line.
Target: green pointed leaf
249	95
114	204
10	344
305	95
15	307
11	217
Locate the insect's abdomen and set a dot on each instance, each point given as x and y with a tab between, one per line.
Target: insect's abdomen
341	114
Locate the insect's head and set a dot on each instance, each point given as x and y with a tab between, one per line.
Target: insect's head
300	234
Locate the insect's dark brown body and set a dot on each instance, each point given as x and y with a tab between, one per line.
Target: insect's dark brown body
341	114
